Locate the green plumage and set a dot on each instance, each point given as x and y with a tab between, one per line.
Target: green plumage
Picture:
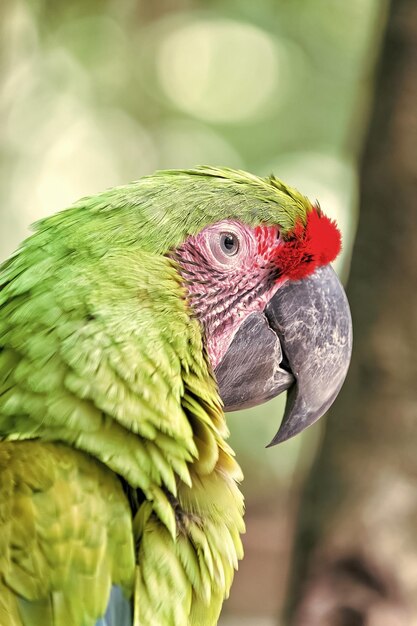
66	535
104	380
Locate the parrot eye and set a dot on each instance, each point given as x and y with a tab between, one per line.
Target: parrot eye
229	244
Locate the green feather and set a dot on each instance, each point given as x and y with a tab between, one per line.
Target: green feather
66	535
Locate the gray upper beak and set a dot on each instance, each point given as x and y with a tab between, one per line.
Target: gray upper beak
301	342
312	319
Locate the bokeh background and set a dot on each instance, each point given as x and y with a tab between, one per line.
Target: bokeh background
96	93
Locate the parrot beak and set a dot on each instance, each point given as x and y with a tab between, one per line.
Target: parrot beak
302	343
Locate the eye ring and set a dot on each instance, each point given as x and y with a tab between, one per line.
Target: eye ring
229	244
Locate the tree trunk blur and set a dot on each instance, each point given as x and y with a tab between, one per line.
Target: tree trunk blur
357	560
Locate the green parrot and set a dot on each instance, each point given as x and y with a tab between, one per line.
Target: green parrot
128	324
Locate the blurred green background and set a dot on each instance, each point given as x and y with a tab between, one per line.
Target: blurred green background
97	93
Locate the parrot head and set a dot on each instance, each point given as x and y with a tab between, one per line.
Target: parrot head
274	314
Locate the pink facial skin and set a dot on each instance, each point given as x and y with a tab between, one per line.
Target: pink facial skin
230	272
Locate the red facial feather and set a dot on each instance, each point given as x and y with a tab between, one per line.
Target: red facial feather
266	239
308	247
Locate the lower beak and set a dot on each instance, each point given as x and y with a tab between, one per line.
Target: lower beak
301	342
